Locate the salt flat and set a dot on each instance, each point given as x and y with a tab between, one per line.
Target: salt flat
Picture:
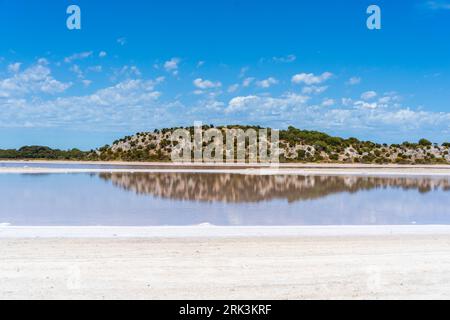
346	267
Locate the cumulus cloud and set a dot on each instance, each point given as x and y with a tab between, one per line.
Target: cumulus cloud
267	83
354	81
285	59
43	61
385	100
126	72
78	56
265	105
14	67
240	103
310	78
130	101
33	80
172	65
347	102
366	105
355	116
26	99
314	89
77	70
206	84
247	81
233	88
86	82
136	103
368	95
328	102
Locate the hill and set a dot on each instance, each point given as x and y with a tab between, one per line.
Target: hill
295	146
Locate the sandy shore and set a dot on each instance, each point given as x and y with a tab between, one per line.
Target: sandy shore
352	267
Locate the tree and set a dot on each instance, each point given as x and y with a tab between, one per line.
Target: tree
424	143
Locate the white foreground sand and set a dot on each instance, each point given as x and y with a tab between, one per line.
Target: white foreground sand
407	265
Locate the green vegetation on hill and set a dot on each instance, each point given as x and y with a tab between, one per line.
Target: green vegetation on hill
296	146
40	152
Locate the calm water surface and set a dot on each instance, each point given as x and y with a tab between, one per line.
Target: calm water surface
178	199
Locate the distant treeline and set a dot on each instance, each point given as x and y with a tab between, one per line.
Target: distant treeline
40	152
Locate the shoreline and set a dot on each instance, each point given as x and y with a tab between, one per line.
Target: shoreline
231	165
217	232
257	169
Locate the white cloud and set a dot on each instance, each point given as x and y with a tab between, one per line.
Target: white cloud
314	89
43	61
265	105
368	95
328	102
247	82
206	84
131	102
285	59
77	70
33	80
172	65
357	117
78	56
127	72
86	82
102	54
14	67
385	100
267	83
241	103
213	105
354	81
347	102
233	88
366	105
310	78
160	80
135	103
389	98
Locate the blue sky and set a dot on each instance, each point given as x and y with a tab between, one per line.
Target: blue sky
138	65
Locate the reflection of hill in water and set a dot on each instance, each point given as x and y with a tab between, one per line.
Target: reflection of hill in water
234	188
